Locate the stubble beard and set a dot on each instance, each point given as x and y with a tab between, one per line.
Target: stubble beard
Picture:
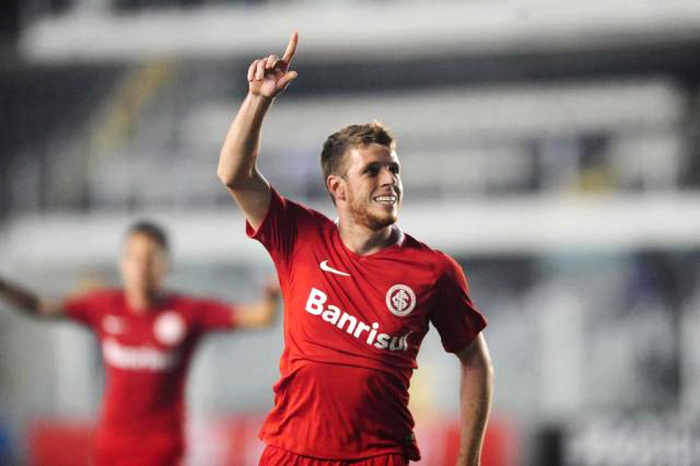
361	214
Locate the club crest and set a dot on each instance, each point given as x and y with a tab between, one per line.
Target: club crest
169	328
400	300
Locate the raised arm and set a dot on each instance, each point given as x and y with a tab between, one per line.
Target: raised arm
28	302
267	78
261	314
476	389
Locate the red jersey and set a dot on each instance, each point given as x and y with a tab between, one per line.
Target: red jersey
146	357
352	328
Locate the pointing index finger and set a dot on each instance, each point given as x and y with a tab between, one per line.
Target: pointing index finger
291	48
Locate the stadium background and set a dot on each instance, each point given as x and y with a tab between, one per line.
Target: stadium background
550	146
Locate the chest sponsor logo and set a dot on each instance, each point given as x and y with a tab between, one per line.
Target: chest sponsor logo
316	305
400	299
327	268
113	324
169	328
143	358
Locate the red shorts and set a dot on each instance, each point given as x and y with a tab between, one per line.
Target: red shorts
275	456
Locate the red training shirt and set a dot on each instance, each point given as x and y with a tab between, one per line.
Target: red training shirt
352	329
146	357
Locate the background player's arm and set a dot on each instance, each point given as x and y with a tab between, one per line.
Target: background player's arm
476	389
261	314
267	78
28	302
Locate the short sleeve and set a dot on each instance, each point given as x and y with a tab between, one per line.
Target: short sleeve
85	309
454	315
278	231
213	315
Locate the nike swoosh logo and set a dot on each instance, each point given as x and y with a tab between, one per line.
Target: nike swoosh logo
326	268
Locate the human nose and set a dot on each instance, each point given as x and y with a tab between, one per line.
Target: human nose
388	177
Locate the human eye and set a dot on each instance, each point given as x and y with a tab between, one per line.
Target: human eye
372	170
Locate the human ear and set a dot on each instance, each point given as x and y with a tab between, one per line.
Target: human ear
336	187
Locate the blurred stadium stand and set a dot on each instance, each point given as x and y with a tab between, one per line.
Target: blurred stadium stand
552	147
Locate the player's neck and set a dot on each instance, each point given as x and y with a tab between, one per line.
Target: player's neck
363	240
141	301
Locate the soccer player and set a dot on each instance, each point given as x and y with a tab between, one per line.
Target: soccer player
359	295
147	337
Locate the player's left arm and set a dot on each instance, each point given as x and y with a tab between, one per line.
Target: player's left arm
261	314
476	390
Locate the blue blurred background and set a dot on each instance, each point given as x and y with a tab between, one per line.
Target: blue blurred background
552	147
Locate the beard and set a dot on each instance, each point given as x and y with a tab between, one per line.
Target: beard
362	214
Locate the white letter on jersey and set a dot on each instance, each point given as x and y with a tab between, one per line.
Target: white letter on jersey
382	341
372	333
352	321
396	344
314	305
331	314
361	326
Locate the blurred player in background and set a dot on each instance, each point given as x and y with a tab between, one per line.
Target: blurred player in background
147	337
359	295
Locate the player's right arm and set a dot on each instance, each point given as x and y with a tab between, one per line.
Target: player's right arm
237	170
29	302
